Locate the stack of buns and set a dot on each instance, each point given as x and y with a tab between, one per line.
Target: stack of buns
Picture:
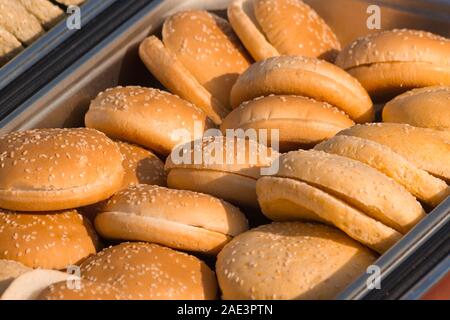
188	171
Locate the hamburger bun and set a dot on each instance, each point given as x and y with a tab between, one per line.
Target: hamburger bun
149	117
9	46
290	260
145	271
10	270
304	76
141	166
222	168
178	219
47	13
88	290
388	63
173	75
302	122
57	169
29	285
355	183
428	149
425	107
284	199
19	22
51	240
271	28
421	184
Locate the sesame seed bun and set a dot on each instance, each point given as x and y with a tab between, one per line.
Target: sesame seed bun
88	290
230	175
173	75
141	166
178	219
421	184
9	46
46	240
9	270
47	13
146	271
304	76
355	183
425	107
149	117
290	260
29	285
428	149
284	199
206	45
302	122
271	28
57	169
391	62
18	21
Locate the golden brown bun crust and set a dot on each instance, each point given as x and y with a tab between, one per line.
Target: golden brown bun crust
179	219
46	240
283	199
355	183
159	273
56	169
294	28
304	76
390	62
301	121
9	46
422	185
141	166
428	149
148	117
425	107
290	260
88	290
206	45
166	67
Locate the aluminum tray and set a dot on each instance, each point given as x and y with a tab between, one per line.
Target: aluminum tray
114	61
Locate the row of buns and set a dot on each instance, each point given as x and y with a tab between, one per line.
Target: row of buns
341	193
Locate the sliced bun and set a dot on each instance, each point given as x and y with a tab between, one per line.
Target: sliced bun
178	219
57	169
88	290
302	122
9	46
391	62
290	260
146	271
206	45
47	13
148	117
227	169
29	285
303	76
166	67
425	107
10	270
356	183
290	27
46	240
428	149
141	166
422	185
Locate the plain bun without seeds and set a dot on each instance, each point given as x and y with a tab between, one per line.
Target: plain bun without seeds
304	76
388	63
57	169
144	271
179	219
271	28
291	260
51	240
